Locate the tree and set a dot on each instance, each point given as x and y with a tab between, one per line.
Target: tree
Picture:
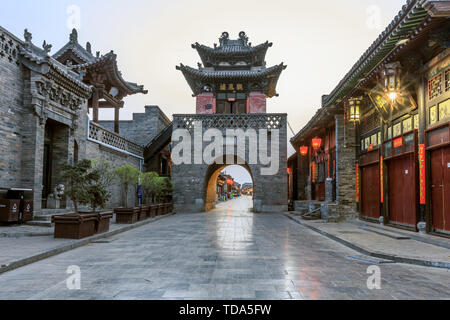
164	188
98	189
78	177
127	176
149	184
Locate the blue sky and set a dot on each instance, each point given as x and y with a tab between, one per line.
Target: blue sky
318	40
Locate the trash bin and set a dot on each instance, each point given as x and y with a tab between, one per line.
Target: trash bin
9	210
25	207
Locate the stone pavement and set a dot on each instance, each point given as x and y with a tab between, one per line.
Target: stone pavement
24	244
385	242
229	253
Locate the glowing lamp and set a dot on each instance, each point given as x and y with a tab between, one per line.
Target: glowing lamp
303	150
316	143
354	109
391	79
230	181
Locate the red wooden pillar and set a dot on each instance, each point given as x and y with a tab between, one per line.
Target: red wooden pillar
116	119
95	98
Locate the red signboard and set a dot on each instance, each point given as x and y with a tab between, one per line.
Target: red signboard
398	142
357	182
381	180
422	173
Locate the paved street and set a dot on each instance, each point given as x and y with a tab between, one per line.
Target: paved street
229	253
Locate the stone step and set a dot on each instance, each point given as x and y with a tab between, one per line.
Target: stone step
40	223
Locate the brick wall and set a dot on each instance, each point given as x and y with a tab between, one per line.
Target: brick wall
144	126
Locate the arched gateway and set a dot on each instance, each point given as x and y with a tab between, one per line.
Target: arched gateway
230	126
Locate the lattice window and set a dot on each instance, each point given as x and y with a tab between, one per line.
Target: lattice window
435	87
447	80
242	121
370	123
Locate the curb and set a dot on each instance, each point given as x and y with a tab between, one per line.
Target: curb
78	243
376	254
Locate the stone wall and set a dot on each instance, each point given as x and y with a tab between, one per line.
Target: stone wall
345	165
97	151
12	111
144	126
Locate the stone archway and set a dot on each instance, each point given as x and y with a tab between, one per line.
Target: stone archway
210	183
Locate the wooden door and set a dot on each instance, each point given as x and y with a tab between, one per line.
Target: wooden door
370	191
440	189
402	191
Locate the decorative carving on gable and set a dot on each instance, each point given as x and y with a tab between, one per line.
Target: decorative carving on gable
9	49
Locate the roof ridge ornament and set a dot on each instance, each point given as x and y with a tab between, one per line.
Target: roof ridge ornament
74	36
47	47
224	38
88	47
27	36
243	37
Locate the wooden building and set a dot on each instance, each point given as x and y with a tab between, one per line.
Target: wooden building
396	107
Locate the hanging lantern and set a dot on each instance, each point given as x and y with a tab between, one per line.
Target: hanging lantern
391	79
289	170
354	109
230	181
316	143
303	150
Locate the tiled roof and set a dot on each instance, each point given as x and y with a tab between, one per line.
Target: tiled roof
205	74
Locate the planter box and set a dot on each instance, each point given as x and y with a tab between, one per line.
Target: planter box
103	221
74	226
127	215
160	209
153	210
27	210
143	212
9	210
169	207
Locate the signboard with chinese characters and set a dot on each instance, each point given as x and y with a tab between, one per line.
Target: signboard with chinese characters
357	182
422	184
381	180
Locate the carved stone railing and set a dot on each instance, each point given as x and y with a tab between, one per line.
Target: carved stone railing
114	141
231	121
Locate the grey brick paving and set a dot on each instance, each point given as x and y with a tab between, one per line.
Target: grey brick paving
224	254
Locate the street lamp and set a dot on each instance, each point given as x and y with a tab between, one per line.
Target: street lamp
354	109
391	79
304	150
316	143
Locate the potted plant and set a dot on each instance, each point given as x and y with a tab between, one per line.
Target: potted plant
148	181
99	195
75	225
127	176
165	189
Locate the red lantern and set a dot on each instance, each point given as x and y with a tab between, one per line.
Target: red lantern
303	150
316	143
230	181
289	170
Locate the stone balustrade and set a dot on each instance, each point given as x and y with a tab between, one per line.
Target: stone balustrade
115	141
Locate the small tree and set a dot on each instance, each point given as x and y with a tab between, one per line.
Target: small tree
164	188
77	177
98	190
127	176
148	182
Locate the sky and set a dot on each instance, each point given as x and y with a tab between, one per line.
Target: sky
318	40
